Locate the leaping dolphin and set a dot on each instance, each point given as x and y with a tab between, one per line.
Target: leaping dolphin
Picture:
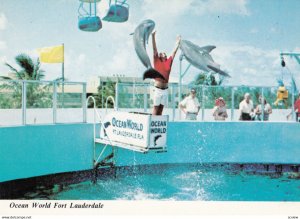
140	38
200	57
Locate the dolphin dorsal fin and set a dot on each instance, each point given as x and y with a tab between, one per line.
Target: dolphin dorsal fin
208	48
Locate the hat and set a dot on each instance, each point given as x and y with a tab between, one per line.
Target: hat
193	90
246	95
219	100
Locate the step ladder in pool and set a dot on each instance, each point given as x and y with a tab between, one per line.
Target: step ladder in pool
105	158
102	157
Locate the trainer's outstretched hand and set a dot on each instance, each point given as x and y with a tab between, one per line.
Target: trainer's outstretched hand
178	39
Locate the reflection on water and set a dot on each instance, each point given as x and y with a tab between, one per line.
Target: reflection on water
179	182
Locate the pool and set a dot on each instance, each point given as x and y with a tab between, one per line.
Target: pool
180	182
189	170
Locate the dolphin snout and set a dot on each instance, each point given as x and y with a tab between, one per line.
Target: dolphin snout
148	24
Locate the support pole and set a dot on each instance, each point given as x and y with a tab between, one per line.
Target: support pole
180	81
232	103
262	105
63	77
145	97
117	97
84	106
174	106
203	103
24	102
54	102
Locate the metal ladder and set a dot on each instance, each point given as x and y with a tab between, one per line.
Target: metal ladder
101	161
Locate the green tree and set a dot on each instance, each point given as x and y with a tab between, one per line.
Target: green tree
105	90
37	95
208	79
29	69
213	91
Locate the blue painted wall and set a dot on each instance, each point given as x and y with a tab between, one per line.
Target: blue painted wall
227	142
28	151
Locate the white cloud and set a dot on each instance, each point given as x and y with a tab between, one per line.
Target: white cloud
221	7
102	8
76	66
170	10
2	45
81	59
3	59
254	30
249	65
3	21
164	9
124	61
274	30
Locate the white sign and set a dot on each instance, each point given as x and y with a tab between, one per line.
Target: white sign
158	131
142	130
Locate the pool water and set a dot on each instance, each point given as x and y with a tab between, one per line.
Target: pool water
184	182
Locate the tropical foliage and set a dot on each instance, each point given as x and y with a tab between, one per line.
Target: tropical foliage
208	79
105	90
213	89
37	95
29	70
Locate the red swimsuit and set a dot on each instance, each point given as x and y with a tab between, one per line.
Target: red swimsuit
163	67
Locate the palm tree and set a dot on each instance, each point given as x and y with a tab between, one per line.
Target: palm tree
213	91
104	90
30	70
37	96
207	79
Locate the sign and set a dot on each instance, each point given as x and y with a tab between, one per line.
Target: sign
158	131
140	130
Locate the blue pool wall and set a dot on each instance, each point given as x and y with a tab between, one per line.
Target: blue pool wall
28	151
224	142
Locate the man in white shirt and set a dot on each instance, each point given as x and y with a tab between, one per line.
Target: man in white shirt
246	108
190	106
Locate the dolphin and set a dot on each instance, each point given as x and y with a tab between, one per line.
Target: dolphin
200	57
140	38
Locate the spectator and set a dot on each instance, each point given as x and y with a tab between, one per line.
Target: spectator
267	109
219	111
246	108
296	108
190	106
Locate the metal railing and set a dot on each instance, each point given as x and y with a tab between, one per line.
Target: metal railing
138	97
24	102
51	102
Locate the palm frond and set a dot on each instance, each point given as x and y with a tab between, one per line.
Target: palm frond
25	63
5	78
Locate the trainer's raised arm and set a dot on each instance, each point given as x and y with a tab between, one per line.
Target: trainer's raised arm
154	44
178	39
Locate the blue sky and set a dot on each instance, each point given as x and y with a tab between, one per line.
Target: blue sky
249	36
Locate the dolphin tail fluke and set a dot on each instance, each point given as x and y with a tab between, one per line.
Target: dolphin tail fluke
218	71
152	73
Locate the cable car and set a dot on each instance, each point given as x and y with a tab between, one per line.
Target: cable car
117	12
87	16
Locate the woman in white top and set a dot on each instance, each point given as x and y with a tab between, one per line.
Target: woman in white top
267	109
219	111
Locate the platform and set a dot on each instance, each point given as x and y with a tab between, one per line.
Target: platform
130	146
